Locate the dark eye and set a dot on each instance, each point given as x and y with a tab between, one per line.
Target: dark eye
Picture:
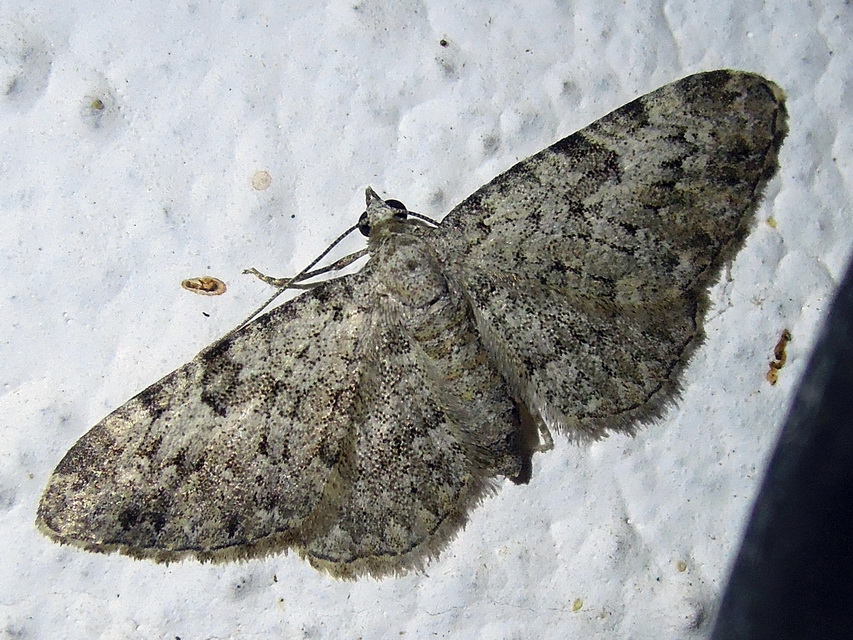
402	213
363	226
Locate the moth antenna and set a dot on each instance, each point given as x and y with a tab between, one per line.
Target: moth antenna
284	284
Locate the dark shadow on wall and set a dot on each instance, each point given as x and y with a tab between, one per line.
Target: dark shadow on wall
793	577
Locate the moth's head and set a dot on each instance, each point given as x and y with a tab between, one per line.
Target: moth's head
380	213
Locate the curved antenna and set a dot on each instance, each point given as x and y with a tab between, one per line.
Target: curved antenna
297	281
420	216
284	284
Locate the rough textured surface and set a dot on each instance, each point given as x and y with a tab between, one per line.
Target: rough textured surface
792	576
103	217
360	422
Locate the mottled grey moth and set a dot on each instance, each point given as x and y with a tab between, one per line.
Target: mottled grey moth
360	422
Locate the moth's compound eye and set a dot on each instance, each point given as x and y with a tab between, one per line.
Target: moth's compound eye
402	213
363	225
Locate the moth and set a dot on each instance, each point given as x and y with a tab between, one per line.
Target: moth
359	423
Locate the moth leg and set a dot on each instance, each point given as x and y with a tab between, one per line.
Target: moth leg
292	283
275	282
533	437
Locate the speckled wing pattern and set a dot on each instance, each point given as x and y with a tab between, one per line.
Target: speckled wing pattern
216	457
360	422
589	263
327	425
